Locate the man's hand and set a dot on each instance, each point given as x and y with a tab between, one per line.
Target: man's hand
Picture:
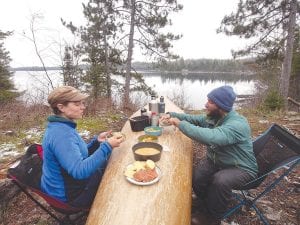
165	116
174	121
164	119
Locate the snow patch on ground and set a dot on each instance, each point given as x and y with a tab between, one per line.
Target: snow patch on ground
8	150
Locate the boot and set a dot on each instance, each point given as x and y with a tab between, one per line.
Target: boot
200	218
198	205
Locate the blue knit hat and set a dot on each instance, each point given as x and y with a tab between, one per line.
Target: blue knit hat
223	97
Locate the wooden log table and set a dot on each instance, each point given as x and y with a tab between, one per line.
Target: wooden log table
167	202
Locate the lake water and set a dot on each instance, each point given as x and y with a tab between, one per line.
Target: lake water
192	89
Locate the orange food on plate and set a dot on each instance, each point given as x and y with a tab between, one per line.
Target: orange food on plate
145	175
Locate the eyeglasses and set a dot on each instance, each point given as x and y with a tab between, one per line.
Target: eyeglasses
78	103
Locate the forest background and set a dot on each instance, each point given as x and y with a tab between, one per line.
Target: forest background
115	28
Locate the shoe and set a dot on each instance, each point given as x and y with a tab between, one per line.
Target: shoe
198	218
211	220
198	205
197	221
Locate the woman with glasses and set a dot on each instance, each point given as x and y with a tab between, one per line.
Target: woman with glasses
72	173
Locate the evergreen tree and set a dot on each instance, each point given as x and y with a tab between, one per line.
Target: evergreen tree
7	92
97	45
71	71
271	26
145	20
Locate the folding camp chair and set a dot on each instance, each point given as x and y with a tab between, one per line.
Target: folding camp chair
28	188
276	149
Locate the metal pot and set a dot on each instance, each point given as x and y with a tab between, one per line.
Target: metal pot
138	123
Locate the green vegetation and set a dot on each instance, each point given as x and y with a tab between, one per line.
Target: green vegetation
272	27
206	65
6	85
273	101
96	124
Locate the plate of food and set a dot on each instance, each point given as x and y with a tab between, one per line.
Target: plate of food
142	173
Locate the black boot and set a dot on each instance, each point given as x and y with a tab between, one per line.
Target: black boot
198	205
200	218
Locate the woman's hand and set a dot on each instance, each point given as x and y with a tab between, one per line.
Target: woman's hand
102	136
113	138
115	141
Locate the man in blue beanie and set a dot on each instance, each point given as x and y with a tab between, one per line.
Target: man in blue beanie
229	163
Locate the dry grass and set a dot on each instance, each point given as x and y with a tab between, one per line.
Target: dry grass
17	115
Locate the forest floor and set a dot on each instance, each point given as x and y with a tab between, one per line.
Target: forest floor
281	206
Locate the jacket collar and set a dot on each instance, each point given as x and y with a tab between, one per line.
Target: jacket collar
55	118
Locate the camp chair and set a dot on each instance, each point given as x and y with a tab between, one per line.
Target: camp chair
28	187
276	149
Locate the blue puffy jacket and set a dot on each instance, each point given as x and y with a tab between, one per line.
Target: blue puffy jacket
66	154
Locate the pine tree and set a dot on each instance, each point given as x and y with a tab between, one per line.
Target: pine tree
145	20
7	92
71	71
97	45
271	26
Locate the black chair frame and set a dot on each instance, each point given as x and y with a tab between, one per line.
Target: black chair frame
61	207
284	140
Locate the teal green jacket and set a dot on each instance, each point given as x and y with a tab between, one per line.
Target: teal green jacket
228	139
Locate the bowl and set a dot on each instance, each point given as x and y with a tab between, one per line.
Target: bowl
138	123
147	138
153	130
143	151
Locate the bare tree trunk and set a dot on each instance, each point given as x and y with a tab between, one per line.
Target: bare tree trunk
287	62
129	55
108	78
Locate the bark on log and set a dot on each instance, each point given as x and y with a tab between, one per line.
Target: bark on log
168	201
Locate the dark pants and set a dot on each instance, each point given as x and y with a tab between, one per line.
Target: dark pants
86	197
213	185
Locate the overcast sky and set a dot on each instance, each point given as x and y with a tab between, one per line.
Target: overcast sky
198	22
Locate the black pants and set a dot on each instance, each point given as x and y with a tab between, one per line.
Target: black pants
86	197
214	185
